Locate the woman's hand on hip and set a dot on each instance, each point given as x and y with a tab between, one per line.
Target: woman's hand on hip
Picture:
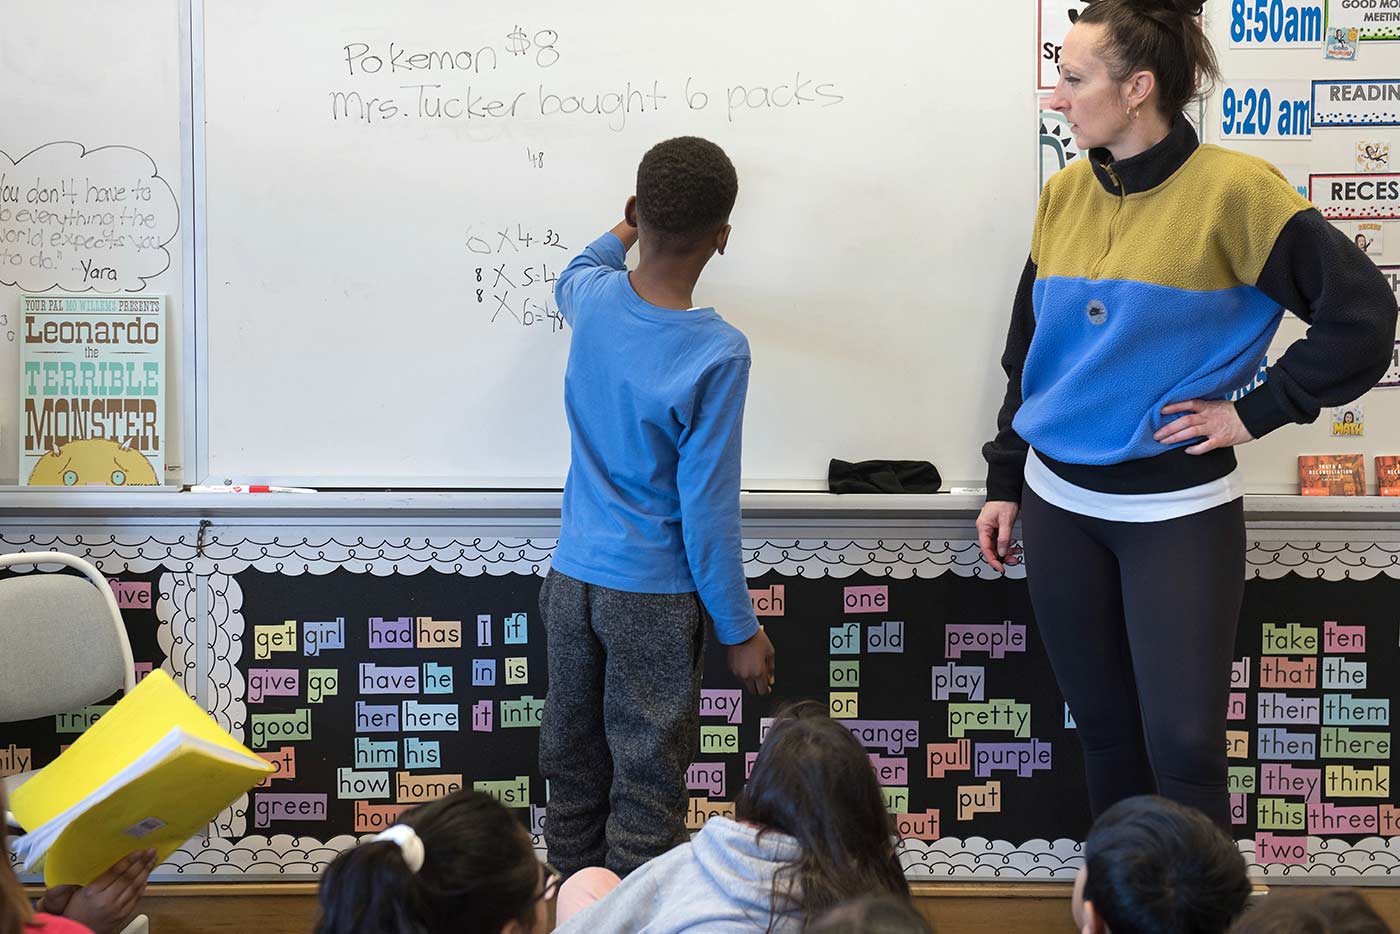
1216	422
994	526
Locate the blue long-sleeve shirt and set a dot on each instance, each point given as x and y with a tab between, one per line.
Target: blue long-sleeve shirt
655	403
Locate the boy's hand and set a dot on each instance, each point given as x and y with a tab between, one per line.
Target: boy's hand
751	663
626	231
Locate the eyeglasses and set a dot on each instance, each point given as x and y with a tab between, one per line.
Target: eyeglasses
553	878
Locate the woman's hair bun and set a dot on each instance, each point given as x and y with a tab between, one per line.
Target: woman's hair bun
1186	9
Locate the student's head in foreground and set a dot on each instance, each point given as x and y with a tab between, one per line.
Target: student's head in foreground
1323	911
872	914
813	781
686	188
462	865
1152	866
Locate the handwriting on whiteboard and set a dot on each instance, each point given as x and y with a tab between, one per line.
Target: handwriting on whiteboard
514	274
391	83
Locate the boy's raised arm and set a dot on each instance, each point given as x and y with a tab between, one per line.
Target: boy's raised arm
608	252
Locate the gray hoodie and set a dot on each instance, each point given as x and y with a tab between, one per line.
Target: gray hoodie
720	882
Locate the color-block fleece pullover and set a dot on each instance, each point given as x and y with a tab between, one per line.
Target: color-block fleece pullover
1162	278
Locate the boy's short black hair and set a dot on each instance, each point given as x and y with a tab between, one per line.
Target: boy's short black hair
1156	867
686	188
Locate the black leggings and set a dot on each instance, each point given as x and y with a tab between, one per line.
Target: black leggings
1139	620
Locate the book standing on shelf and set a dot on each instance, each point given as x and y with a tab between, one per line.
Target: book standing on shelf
1332	474
92	391
1388	475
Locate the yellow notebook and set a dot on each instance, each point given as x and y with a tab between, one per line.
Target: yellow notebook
151	773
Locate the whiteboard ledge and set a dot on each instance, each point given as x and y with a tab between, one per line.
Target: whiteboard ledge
41	502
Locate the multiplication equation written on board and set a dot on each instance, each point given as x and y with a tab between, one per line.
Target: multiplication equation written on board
514	270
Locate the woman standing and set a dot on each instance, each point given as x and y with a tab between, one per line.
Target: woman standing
1158	274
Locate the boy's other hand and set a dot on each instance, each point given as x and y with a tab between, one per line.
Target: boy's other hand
752	663
626	229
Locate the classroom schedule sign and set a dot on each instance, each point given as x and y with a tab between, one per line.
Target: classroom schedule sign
1266	109
92	391
1356	196
1276	24
1356	102
1373	19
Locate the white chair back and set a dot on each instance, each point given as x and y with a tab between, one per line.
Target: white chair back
63	645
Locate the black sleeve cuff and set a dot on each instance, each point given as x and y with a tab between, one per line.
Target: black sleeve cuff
1005	482
1261	412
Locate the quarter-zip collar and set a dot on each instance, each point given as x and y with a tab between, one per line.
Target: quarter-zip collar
1149	169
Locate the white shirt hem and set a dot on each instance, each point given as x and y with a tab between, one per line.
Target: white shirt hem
1130	507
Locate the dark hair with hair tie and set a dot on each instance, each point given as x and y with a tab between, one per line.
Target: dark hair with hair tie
1162	36
479	873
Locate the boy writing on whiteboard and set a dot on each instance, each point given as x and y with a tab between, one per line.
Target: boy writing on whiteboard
649	542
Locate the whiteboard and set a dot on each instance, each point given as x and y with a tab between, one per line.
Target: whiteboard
389	189
876	242
91	93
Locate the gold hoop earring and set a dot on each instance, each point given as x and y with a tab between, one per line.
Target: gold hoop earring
1132	113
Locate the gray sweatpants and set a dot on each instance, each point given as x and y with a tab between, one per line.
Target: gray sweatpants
621	721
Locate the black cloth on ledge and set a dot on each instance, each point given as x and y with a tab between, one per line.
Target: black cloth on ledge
883	477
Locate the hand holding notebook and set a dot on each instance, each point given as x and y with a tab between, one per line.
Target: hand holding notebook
151	773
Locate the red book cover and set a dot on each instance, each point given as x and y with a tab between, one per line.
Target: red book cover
1388	475
1332	474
